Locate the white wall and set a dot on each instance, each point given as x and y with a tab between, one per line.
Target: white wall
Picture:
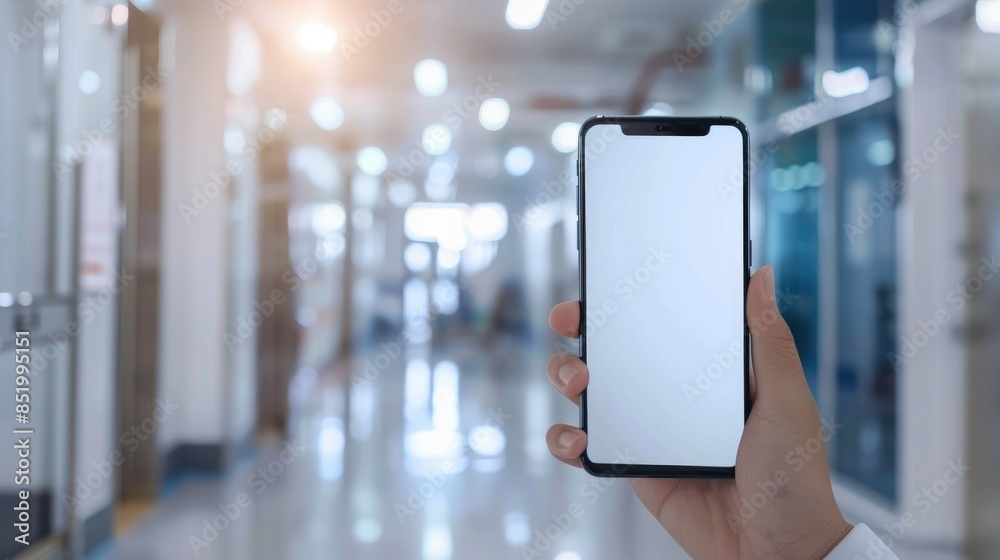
207	285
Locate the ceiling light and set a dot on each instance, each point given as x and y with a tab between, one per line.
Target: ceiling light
988	15
519	161
564	137
493	113
327	113
437	139
430	77
372	161
316	38
525	14
848	82
119	14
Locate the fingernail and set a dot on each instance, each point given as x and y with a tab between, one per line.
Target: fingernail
769	283
567	439
566	372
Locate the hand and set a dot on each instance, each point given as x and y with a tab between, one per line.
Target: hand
781	504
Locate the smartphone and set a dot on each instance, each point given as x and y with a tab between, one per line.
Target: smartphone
664	267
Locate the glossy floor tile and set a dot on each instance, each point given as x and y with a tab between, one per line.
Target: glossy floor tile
407	454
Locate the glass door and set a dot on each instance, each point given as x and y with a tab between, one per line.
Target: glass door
37	321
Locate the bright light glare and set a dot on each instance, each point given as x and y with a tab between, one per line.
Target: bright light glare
89	82
119	14
487	440
423	220
493	113
372	161
437	139
988	15
417	257
488	221
430	77
452	234
444	397
437	542
445	296
568	555
327	113
417	389
525	14
316	38
331	436
433	444
519	161
327	218
448	259
848	82
331	449
564	137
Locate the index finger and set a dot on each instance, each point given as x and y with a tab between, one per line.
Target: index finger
565	319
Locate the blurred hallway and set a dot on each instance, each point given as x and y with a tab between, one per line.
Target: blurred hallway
441	456
285	266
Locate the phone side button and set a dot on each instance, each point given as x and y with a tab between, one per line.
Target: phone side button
750	256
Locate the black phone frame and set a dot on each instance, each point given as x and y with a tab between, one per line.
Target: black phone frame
660	126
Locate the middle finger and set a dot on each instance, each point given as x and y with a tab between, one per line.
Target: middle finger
569	374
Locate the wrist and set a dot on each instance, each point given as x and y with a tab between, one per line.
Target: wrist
831	537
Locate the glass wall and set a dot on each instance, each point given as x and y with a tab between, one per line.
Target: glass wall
830	190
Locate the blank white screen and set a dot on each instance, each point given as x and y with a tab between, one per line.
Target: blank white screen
664	334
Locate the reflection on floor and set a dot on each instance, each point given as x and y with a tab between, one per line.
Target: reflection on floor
410	454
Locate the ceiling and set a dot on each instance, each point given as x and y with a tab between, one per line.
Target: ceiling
583	59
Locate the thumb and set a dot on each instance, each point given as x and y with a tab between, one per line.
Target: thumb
776	365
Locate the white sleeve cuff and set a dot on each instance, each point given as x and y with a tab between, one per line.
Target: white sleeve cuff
861	543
